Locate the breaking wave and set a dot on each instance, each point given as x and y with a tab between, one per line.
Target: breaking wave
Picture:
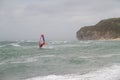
107	73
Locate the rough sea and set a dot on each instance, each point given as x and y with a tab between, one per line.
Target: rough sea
60	60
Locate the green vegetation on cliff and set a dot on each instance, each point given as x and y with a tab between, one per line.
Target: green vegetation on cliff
105	29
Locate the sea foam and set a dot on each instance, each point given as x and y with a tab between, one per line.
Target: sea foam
108	73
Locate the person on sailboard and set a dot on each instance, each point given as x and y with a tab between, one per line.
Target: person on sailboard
41	41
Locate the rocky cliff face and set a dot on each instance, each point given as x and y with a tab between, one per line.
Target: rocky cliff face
105	29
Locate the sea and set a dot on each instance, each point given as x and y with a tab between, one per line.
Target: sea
60	60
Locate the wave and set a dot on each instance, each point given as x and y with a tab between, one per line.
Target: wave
48	56
11	44
1	46
19	60
48	47
86	42
107	73
57	42
25	41
25	59
109	55
100	56
14	44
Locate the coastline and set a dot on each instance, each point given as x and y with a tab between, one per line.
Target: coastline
116	39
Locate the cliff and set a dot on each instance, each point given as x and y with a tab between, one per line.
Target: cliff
105	29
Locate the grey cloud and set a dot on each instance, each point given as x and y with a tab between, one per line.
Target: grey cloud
57	19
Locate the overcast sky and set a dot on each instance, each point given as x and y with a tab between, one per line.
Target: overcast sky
57	19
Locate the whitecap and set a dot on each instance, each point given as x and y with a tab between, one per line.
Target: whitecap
14	44
109	55
57	42
48	56
47	47
85	57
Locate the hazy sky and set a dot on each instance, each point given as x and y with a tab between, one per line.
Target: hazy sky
57	19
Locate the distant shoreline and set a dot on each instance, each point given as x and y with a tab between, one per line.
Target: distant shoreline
116	39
